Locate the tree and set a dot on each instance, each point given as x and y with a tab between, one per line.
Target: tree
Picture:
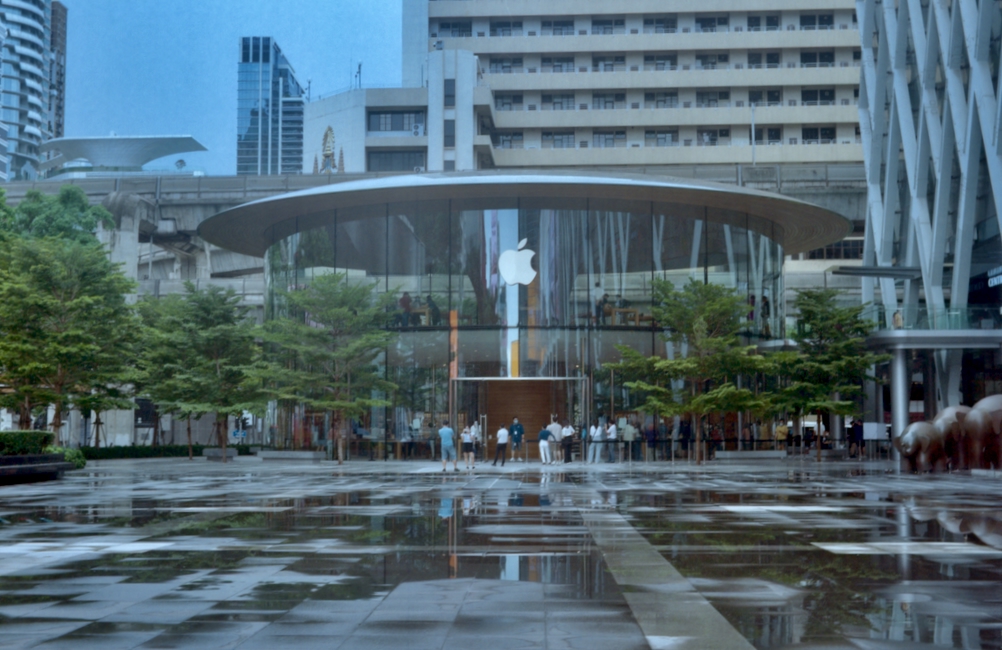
66	332
67	215
702	321
163	357
324	352
221	371
832	362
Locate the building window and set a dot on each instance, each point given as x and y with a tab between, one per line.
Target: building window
847	249
506	65
824	59
763	23
664	99
712	61
449	165
450	93
508	102
558	139
509	140
609	139
763	60
558	64
665	25
608	63
608	26
396	161
711	23
661	138
810	22
456	29
396	121
449	129
608	101
817	97
558	28
818	135
713	98
769	135
506	28
660	62
768	97
558	102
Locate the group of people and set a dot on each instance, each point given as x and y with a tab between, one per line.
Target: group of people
406	316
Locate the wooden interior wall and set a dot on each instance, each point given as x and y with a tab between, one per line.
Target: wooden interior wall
531	402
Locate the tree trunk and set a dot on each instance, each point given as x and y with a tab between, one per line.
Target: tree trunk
57	421
819	436
24	416
189	439
97	429
221	434
156	429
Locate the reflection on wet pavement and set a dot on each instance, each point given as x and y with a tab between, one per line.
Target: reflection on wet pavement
172	554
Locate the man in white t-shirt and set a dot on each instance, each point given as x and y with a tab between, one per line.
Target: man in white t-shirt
502	446
555	435
611	442
475	433
567	439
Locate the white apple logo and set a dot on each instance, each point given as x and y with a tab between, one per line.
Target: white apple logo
516	266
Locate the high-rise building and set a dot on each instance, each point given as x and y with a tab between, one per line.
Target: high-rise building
25	82
932	135
610	84
269	110
57	72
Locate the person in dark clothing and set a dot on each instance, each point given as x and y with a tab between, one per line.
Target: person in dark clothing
434	313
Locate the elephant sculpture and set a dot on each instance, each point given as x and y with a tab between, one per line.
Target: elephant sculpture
982	426
923	446
948	423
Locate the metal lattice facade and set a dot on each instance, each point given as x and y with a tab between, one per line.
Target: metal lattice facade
932	135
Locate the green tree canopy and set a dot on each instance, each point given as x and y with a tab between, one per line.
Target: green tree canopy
66	215
66	332
702	322
324	352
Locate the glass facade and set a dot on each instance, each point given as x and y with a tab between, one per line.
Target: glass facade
269	110
521	288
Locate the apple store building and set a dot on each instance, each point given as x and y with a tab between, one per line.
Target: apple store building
515	289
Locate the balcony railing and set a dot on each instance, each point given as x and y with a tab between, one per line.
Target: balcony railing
923	318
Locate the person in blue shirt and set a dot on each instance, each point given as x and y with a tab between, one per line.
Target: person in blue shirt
448	437
517	432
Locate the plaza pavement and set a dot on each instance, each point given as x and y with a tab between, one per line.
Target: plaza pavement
281	554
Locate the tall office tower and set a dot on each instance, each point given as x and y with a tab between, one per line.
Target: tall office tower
24	82
932	134
269	110
57	71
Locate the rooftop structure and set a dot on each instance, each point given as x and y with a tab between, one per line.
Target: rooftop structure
114	153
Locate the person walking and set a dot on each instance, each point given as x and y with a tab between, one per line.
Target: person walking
502	446
517	434
651	438
477	441
566	440
467	438
611	441
337	438
544	446
448	439
556	435
595	436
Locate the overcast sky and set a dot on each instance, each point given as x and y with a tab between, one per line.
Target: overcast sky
156	67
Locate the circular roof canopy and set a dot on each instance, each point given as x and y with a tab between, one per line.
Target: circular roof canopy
252	227
131	151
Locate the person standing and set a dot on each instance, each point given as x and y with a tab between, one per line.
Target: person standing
556	434
517	434
448	438
502	446
611	441
475	434
595	436
337	438
651	438
467	438
544	446
566	440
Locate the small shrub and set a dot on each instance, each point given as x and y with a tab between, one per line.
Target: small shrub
22	443
70	455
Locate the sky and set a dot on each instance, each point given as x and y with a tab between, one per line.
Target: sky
169	67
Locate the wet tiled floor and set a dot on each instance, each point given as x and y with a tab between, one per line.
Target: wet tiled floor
775	554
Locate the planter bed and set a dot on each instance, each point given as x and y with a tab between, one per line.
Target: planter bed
32	467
